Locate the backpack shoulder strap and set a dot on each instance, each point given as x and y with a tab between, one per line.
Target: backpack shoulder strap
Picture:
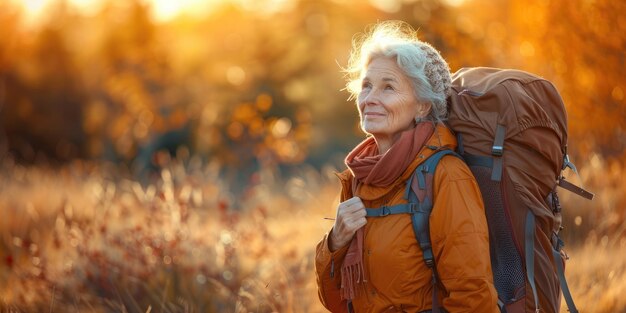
424	175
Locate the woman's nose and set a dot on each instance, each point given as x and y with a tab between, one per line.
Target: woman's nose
372	97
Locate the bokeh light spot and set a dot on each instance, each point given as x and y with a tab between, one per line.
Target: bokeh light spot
226	238
228	275
281	127
389	6
578	220
453	3
235	130
235	75
263	102
201	279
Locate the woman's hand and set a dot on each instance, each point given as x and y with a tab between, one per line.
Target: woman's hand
350	217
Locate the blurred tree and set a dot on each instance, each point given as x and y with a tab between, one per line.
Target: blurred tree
585	47
133	101
43	97
252	87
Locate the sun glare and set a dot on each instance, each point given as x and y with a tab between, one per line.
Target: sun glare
33	5
454	3
162	10
167	9
34	10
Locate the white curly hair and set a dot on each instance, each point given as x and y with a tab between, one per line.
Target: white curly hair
423	65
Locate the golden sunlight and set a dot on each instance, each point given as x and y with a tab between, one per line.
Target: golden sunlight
454	3
166	9
162	10
34	10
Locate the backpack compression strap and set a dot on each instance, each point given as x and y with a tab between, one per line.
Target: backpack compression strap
420	211
561	272
494	161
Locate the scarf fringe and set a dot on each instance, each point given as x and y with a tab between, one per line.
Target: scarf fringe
351	276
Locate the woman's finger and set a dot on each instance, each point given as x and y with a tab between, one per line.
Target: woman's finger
352	200
360	222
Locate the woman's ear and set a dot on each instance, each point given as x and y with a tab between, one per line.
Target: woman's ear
422	110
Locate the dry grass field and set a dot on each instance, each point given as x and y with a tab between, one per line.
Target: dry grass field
85	239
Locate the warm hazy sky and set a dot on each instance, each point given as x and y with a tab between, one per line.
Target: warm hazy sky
166	9
162	9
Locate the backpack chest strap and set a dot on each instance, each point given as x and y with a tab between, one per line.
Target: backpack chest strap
405	208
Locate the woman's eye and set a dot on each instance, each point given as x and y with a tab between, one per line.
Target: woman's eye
366	86
389	87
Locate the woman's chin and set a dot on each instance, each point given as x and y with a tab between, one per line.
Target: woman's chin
377	134
373	128
374	131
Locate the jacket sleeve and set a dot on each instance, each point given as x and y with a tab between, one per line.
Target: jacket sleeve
327	271
460	240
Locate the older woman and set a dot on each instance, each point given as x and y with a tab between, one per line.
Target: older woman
368	264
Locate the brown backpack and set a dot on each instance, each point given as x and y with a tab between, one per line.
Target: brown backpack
512	131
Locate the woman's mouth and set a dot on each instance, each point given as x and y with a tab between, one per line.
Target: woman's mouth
373	114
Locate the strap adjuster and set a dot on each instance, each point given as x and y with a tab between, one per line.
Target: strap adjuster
498	141
429	262
384	210
497	150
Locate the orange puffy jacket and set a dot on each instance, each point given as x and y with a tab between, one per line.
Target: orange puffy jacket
398	280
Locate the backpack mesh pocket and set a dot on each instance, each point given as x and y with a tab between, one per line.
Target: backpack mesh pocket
506	262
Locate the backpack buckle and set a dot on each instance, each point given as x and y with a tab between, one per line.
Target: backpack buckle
567	163
430	262
498	142
384	211
497	150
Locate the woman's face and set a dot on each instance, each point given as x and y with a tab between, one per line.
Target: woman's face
387	102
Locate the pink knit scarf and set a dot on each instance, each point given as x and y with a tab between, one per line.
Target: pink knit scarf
371	168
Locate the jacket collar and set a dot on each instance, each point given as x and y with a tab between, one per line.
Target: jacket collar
441	138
